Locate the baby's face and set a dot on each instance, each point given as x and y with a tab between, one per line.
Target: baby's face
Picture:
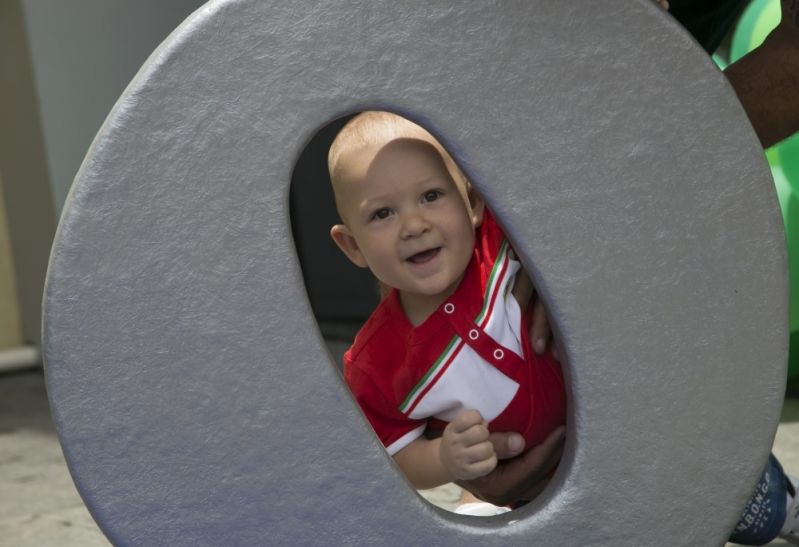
406	218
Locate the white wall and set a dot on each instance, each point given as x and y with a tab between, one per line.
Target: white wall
84	53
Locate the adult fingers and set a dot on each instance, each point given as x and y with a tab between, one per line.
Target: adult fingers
507	444
539	330
535	464
535	483
522	477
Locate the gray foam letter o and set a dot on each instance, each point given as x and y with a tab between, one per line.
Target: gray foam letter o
195	401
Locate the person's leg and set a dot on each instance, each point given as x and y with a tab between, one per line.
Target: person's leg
765	512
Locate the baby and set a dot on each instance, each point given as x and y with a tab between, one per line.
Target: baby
446	353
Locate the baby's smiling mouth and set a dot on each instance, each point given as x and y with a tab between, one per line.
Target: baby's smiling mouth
424	256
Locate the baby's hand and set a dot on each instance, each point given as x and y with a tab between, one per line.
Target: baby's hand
466	453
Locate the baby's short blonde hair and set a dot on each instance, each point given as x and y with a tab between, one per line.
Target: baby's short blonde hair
377	127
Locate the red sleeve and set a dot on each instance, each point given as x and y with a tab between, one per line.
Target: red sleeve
489	237
394	429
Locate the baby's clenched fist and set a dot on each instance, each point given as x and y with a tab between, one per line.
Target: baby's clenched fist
466	453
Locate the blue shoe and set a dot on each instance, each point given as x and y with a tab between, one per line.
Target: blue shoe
790	530
764	516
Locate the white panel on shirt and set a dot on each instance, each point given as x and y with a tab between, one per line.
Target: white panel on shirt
472	383
505	326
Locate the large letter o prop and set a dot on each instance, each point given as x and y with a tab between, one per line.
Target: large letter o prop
194	398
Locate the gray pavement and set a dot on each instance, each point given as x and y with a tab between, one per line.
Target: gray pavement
40	507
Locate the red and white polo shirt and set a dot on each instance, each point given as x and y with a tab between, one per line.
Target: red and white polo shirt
473	352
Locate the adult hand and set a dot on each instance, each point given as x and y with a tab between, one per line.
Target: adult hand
540	332
766	79
522	477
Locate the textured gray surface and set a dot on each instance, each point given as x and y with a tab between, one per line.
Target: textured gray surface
46	511
194	399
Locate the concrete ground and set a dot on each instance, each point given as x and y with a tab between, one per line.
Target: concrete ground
40	507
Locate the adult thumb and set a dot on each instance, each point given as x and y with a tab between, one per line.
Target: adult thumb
507	444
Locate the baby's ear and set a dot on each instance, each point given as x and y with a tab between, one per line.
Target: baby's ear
346	242
477	204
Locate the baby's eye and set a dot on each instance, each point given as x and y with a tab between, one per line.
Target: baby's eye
380	214
431	195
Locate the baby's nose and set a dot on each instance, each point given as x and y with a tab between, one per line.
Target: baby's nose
413	225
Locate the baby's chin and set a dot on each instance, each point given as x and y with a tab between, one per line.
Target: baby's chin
432	291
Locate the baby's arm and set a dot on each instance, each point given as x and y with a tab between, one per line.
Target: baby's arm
463	452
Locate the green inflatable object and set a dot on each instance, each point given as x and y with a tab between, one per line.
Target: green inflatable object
787	154
757	20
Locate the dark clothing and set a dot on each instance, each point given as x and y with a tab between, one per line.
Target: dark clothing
707	20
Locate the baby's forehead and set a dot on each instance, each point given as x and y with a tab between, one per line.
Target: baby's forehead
361	169
402	161
358	144
411	146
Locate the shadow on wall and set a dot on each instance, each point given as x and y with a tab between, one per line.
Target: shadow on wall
342	296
